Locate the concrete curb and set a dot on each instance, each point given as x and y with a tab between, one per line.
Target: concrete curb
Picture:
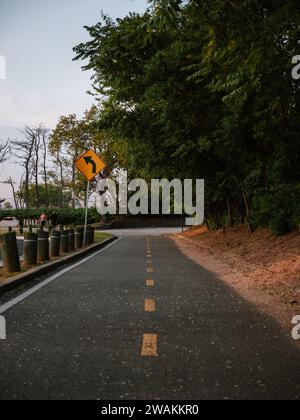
21	279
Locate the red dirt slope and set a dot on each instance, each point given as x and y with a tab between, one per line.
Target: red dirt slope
263	268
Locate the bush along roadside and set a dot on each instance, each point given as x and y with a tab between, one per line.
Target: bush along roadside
55	216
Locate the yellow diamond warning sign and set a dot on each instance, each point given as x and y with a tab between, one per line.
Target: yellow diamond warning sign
90	165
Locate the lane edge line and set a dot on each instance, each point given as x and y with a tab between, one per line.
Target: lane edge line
44	283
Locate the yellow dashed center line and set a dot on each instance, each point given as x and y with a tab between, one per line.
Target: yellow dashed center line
150	283
149	346
150	305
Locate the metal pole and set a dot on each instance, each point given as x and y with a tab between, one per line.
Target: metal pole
182	216
86	212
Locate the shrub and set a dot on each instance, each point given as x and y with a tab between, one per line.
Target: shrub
63	216
277	209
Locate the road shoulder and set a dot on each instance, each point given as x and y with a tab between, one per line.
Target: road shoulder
230	271
29	275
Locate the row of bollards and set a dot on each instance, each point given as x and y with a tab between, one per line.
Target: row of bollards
10	253
39	247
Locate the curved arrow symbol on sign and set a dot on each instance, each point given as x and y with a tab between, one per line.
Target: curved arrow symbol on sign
89	161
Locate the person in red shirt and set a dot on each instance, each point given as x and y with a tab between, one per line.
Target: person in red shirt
43	220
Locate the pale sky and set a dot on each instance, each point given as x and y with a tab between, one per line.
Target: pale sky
42	82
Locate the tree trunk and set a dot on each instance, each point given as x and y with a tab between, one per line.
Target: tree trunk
247	213
61	180
45	171
26	194
229	212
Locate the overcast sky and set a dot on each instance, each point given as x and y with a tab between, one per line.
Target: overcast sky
43	83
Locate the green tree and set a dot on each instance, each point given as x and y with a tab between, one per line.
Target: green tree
70	139
204	90
48	197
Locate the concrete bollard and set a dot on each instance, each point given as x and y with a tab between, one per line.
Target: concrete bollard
55	243
64	242
71	240
21	227
88	236
92	235
30	249
43	246
79	238
10	254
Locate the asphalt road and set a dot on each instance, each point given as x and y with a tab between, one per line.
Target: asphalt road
87	335
145	231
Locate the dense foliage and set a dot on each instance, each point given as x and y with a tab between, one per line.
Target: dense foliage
61	216
51	197
203	89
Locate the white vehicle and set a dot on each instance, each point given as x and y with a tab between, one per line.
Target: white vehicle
8	222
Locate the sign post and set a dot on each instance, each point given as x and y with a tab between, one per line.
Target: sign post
90	165
86	212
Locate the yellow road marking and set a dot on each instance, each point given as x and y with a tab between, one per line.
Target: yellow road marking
150	283
149	347
150	305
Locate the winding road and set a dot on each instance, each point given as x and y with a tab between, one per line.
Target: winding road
139	320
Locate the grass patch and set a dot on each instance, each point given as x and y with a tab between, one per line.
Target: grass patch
101	236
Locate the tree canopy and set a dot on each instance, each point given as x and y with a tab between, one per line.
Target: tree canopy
203	89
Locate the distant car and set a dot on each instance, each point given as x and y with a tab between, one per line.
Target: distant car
8	222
